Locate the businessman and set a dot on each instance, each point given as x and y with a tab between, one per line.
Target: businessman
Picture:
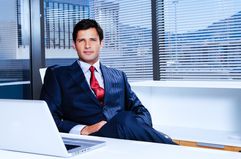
90	98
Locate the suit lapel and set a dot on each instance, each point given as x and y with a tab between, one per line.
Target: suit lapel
107	82
80	80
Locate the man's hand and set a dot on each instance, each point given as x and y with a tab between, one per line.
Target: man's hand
92	128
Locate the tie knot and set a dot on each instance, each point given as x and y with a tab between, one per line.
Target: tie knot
92	69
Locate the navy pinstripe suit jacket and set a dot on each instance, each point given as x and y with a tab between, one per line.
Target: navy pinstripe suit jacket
72	102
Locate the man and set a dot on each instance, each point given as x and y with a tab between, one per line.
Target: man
89	98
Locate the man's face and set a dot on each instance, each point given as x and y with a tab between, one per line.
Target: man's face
88	45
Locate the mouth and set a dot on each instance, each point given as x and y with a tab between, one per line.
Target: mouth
88	52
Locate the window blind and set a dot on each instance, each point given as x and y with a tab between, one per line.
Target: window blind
128	36
14	50
127	33
199	40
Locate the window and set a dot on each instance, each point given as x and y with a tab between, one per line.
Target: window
128	36
14	50
127	33
60	16
199	40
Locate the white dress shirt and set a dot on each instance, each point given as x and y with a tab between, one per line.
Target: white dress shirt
98	75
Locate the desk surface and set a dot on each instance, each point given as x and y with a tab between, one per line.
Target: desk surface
202	135
120	149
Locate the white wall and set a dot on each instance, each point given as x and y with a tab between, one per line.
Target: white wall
216	108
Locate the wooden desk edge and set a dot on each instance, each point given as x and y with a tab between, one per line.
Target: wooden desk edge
196	144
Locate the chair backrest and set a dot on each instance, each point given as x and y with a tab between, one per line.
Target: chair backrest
42	73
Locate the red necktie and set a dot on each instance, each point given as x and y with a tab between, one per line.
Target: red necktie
99	92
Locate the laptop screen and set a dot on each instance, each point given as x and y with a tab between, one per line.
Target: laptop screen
32	120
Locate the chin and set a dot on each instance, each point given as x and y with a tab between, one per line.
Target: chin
89	61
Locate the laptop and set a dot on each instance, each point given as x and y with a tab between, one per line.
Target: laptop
28	126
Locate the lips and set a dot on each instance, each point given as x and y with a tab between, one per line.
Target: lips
88	52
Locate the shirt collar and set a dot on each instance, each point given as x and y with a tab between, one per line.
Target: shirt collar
85	66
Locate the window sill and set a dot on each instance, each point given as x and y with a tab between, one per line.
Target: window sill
189	84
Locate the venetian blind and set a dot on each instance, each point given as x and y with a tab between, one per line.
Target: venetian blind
127	35
199	40
14	50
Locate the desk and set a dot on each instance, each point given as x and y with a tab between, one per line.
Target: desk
196	113
224	140
125	149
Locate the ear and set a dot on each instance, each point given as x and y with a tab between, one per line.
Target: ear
73	45
102	44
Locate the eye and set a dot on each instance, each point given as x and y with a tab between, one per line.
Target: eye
93	39
80	40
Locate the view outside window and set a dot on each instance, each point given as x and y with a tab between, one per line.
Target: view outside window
199	40
14	50
127	33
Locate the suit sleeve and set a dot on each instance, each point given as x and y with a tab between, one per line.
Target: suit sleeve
51	93
133	104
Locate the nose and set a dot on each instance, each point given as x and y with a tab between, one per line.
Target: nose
87	44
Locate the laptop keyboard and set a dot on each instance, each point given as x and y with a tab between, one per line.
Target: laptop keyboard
81	145
77	141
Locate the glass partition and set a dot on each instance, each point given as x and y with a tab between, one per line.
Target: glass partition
14	50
